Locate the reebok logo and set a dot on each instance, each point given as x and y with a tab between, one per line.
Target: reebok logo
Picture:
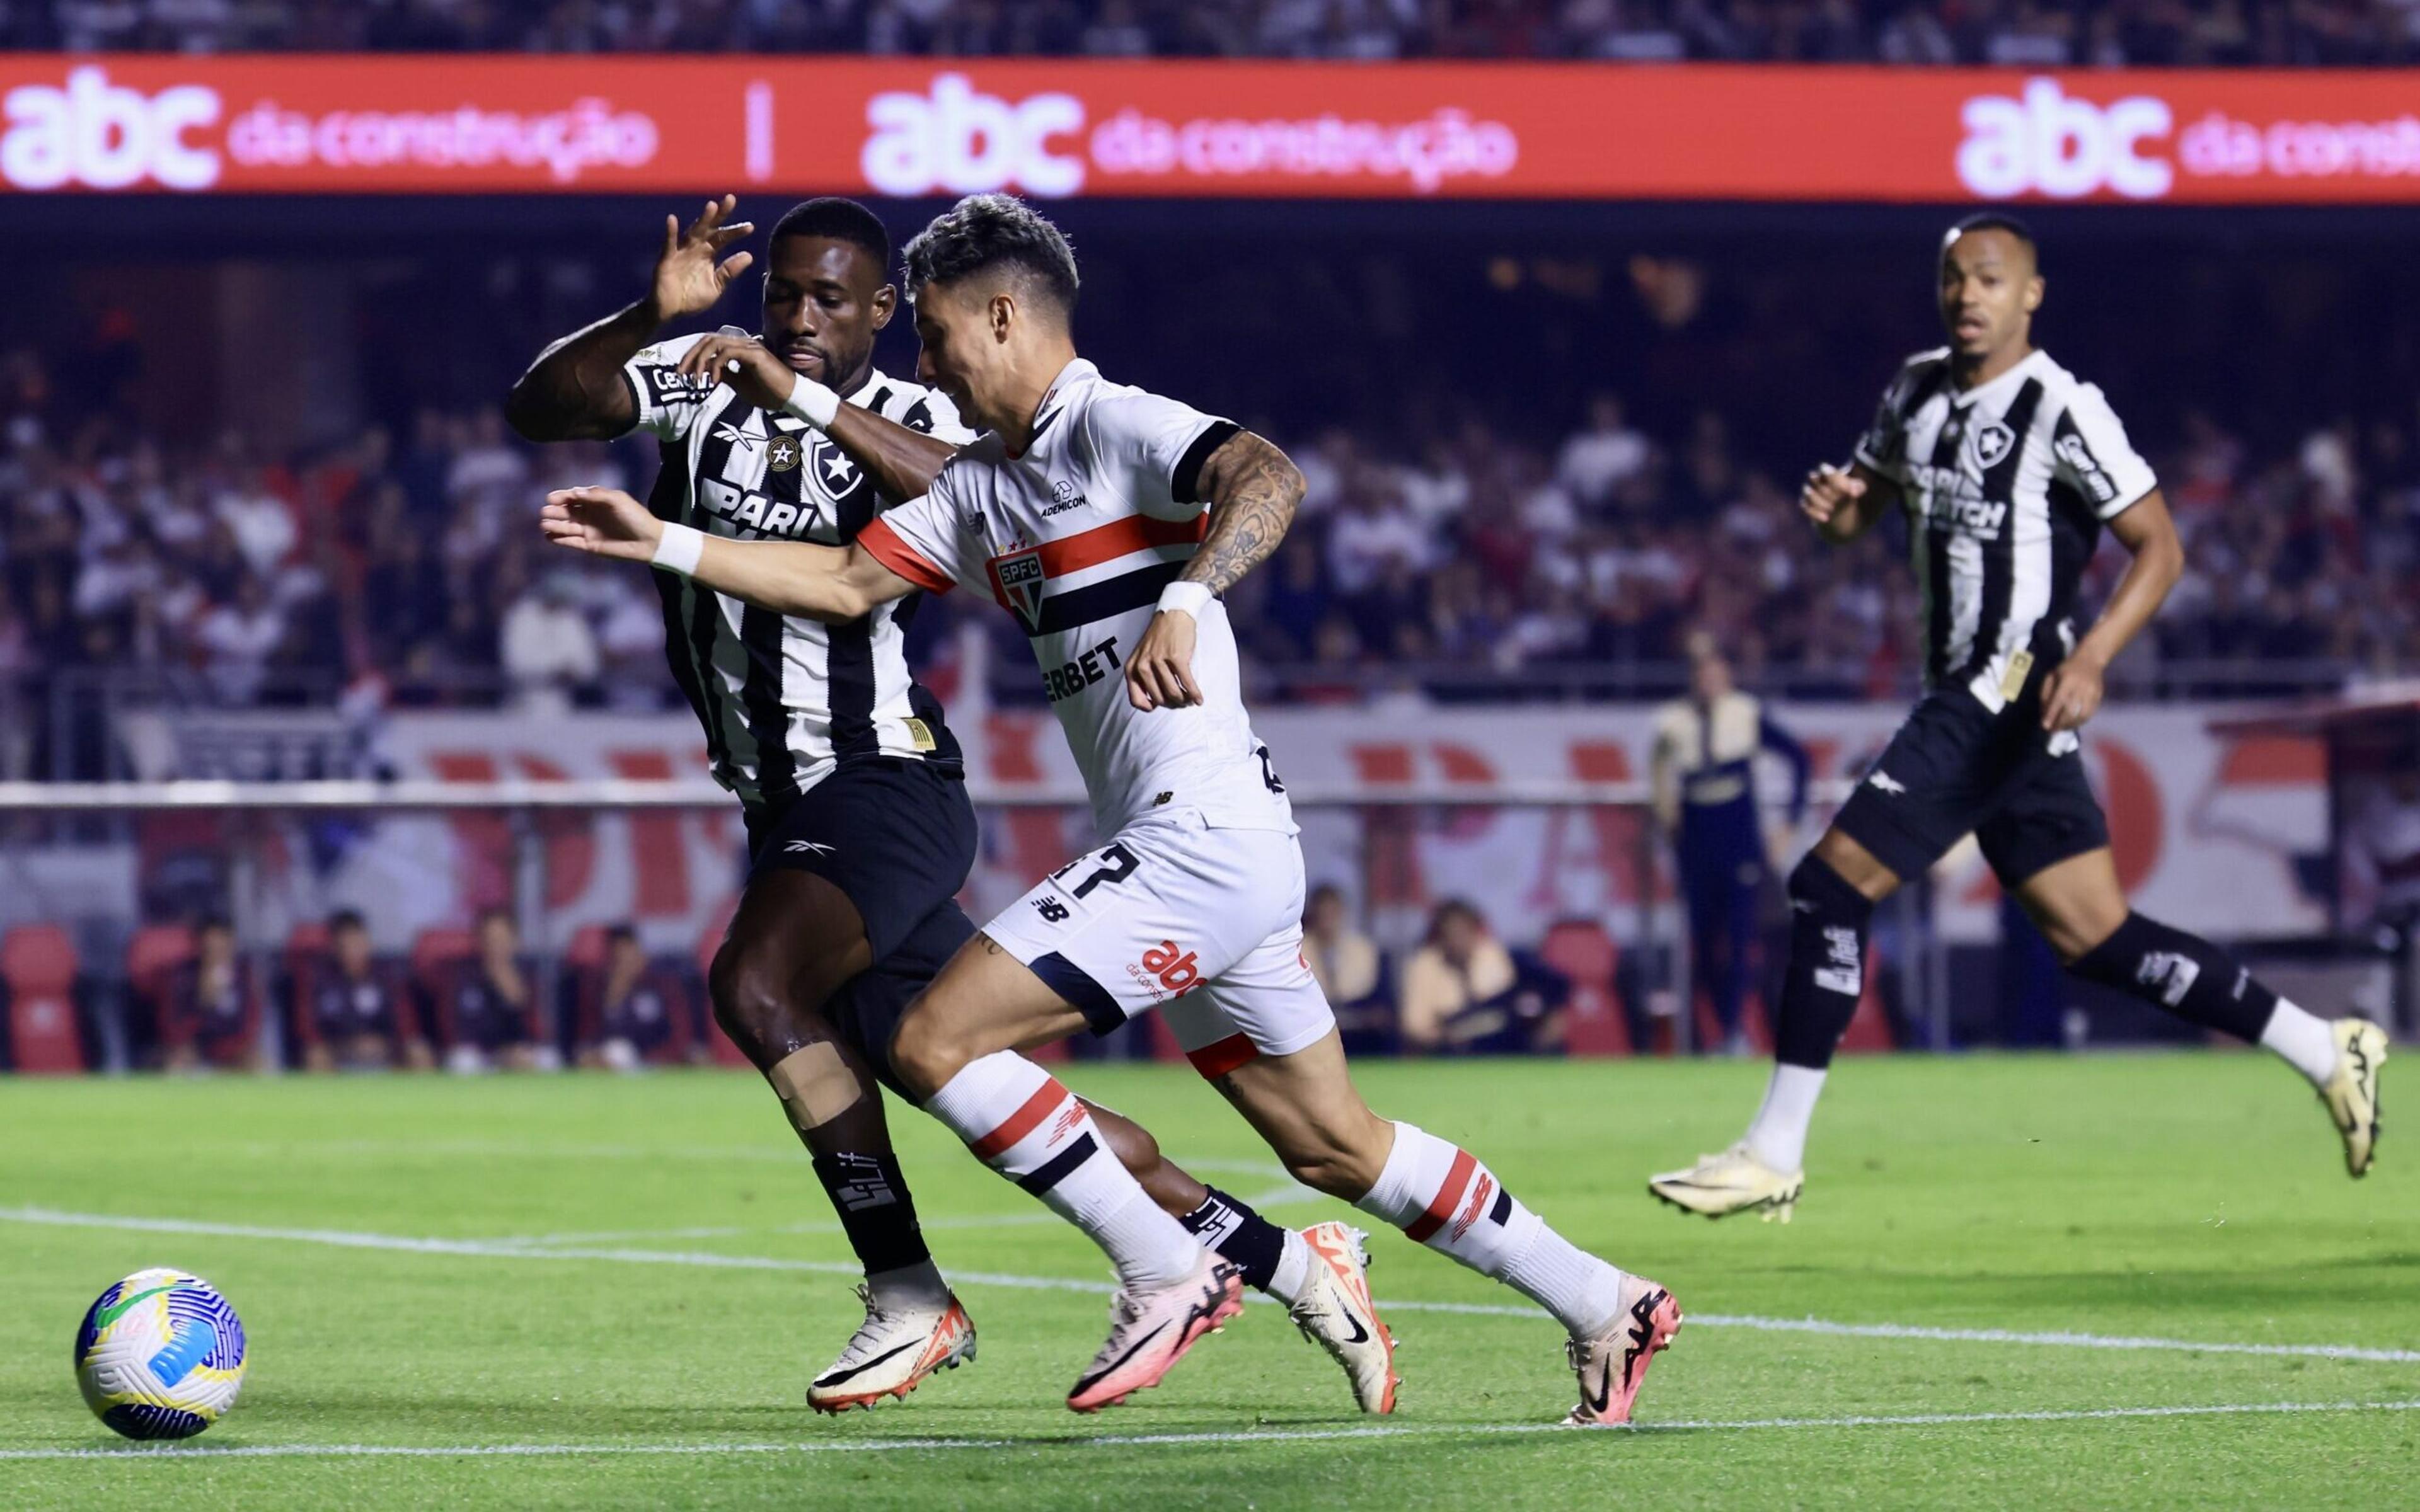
1844	968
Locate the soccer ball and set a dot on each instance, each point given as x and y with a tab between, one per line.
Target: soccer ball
159	1355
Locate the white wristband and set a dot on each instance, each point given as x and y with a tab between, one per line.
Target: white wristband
812	402
679	548
1185	598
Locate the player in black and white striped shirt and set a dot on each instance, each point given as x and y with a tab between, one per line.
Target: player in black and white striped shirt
2006	467
860	830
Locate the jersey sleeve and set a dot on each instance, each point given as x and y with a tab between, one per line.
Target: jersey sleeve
923	541
1161	444
2089	453
666	399
1883	448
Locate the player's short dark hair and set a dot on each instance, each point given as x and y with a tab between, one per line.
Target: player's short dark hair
619	932
840	220
984	233
344	918
1995	221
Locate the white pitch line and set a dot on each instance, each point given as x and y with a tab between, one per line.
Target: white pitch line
1120	1440
492	1249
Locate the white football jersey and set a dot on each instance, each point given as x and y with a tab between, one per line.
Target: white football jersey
1075	537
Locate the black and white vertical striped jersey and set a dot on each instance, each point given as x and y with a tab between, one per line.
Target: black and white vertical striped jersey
2007	486
784	701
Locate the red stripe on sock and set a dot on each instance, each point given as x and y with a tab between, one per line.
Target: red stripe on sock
1441	1207
1021	1122
1216	1060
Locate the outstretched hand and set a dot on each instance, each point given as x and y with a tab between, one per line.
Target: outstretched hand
689	277
604	522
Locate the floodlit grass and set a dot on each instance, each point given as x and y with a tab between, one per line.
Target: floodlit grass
632	1279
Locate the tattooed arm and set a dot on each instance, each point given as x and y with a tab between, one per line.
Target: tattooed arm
1253	490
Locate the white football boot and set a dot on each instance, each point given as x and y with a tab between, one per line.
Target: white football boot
1335	1312
2351	1093
1731	1182
892	1352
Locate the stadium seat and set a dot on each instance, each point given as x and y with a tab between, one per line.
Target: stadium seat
37	962
153	957
1585	954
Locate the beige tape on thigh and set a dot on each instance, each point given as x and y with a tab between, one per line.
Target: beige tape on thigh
816	1087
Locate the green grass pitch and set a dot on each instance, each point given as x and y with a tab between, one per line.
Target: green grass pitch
615	1289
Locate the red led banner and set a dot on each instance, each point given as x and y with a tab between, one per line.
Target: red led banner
491	124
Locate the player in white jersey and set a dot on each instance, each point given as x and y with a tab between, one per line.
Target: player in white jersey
860	830
2007	468
1083	512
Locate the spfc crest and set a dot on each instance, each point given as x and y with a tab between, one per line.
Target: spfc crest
1992	442
1018	577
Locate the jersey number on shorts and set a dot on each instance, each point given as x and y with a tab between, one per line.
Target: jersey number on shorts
1117	864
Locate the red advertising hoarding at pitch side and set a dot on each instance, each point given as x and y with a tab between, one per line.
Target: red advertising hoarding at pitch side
456	125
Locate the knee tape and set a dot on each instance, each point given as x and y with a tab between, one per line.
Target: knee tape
815	1085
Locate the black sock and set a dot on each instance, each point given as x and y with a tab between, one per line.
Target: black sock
875	1210
2182	973
1239	1235
1827	964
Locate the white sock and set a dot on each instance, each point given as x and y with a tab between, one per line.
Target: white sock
917	1288
2304	1041
1021	1122
1442	1197
1777	1135
1294	1270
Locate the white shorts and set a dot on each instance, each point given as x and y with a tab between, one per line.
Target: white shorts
1203	924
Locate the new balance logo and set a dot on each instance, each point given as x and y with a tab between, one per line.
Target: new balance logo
1886	782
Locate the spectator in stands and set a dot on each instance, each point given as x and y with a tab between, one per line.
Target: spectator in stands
1608	453
1345	960
358	1017
496	1017
634	1006
547	646
213	1008
1460	965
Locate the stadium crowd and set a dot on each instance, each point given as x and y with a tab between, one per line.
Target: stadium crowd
2007	33
401	568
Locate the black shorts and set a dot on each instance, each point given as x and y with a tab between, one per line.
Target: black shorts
1954	767
898	837
866	1010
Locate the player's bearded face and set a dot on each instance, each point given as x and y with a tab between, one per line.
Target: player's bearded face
824	301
